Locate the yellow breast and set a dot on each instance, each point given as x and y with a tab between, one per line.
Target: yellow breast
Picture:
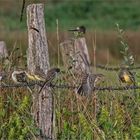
39	78
31	77
127	79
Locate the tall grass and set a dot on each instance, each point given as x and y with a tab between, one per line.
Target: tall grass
107	44
109	115
16	121
116	114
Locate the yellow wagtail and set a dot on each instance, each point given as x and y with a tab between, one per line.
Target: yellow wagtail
126	76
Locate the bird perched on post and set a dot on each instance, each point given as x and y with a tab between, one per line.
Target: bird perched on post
82	55
79	31
126	76
89	82
51	74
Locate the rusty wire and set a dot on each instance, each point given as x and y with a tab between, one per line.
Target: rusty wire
116	68
67	86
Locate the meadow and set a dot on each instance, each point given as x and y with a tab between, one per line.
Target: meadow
105	115
110	115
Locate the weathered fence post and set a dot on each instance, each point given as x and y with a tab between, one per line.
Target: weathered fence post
75	54
3	50
37	56
83	58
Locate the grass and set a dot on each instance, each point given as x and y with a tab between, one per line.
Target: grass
108	115
113	119
106	41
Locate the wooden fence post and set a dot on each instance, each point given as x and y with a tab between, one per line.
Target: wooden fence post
37	56
3	50
75	54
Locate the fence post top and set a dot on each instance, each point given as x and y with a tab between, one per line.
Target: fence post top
35	4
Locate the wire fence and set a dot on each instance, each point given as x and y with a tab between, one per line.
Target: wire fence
116	68
67	86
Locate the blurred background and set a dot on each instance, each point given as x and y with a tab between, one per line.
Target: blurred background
99	17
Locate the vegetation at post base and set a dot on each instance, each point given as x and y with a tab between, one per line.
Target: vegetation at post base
16	121
15	116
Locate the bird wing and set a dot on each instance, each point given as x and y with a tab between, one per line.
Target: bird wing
80	89
84	87
39	74
131	75
49	78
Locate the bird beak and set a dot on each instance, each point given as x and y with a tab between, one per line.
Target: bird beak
73	30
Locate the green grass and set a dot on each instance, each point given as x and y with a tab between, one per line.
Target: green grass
117	114
112	115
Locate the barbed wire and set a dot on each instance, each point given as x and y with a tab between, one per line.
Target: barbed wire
109	88
67	86
116	68
2	86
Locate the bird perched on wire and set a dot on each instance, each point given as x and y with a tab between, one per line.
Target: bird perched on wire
126	76
19	77
51	74
79	31
89	82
